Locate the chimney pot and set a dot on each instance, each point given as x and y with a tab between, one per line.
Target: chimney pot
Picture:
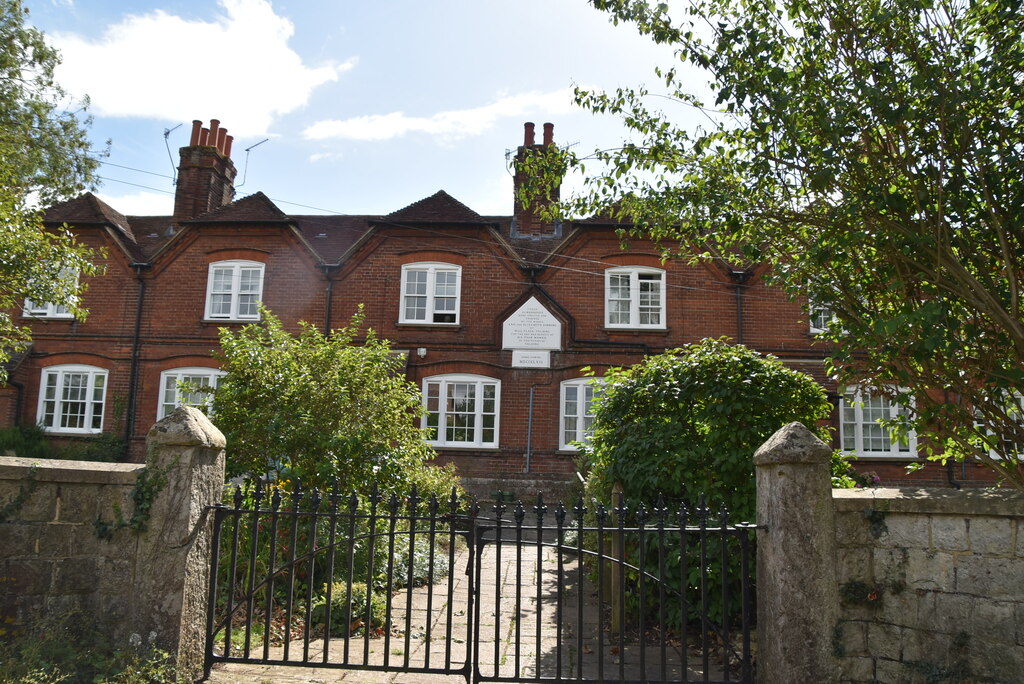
214	131
197	126
227	145
549	133
204	137
528	137
222	135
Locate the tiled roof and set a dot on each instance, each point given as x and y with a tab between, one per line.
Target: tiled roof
438	208
332	236
88	209
255	207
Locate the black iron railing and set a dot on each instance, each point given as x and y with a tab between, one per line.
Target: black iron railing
514	593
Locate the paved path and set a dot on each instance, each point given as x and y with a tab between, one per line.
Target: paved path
525	640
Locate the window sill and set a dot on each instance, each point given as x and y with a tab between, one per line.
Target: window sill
446	326
234	321
69	318
660	331
881	457
452	447
57	432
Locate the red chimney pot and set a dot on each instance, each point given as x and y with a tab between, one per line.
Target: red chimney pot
197	126
204	137
528	138
549	133
214	132
222	135
227	145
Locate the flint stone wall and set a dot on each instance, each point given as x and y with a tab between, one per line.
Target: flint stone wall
931	585
151	583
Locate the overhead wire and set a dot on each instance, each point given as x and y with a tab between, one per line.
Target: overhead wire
542	254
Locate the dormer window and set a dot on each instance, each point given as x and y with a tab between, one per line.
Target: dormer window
430	293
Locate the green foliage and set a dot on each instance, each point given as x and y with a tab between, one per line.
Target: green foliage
44	157
30	441
318	408
873	153
688	421
68	649
349	611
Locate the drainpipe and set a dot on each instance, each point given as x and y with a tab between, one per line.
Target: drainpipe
133	375
741	277
328	293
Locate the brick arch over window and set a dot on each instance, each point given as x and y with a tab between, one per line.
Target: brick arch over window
238	254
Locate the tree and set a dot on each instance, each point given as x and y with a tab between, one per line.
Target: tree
44	157
872	153
318	408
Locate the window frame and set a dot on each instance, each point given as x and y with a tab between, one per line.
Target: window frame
430	310
857	405
635	294
582	431
31	309
60	402
479	383
235	293
212	374
814	310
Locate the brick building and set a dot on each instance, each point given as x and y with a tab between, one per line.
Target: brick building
501	313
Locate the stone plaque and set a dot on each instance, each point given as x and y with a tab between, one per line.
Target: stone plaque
531	327
528	358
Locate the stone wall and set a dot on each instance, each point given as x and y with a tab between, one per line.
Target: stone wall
53	559
931	585
149	579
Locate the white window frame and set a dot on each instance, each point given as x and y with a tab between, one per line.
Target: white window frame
211	376
816	311
575	413
853	404
478	427
55	404
434	302
233	292
33	309
636	275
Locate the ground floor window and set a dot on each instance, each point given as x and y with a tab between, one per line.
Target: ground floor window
462	410
577	408
71	399
185	387
862	430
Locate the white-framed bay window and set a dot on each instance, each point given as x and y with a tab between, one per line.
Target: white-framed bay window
577	410
462	410
862	430
71	399
430	293
184	387
634	297
232	290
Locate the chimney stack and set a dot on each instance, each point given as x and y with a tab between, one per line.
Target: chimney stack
525	220
206	175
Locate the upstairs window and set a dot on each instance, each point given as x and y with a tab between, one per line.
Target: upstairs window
577	402
462	410
233	289
635	297
173	395
49	309
430	293
820	315
861	428
71	399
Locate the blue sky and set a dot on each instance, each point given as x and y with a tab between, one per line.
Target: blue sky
367	105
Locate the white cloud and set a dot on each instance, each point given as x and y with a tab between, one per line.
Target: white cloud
237	68
140	203
450	125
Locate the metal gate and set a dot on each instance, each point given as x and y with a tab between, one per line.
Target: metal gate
514	593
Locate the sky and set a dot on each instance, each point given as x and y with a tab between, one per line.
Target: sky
364	106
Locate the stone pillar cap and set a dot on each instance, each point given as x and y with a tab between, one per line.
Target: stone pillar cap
186	426
792	443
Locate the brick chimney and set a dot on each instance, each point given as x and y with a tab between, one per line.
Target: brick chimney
206	175
525	221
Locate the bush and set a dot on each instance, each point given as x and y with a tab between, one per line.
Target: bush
348	612
688	422
68	649
30	441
